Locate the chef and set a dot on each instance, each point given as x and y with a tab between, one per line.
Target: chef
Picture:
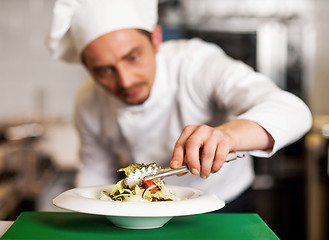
173	103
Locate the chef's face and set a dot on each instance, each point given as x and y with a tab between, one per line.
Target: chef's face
123	62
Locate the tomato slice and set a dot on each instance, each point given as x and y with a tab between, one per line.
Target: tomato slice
149	183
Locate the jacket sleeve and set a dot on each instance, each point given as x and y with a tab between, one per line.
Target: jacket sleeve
246	94
96	166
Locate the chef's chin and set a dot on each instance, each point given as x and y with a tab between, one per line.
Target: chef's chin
135	100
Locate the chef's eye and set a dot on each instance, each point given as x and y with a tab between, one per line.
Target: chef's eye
132	58
104	71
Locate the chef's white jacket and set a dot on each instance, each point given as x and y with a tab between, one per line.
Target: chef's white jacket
196	83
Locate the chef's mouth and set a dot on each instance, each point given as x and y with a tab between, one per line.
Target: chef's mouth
135	94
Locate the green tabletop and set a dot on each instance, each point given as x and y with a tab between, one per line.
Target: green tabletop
64	225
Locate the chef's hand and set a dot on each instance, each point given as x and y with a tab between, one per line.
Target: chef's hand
204	149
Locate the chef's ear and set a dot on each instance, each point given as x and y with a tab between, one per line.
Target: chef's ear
157	37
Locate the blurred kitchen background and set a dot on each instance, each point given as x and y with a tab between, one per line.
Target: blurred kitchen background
284	39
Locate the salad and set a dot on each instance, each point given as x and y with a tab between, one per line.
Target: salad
134	188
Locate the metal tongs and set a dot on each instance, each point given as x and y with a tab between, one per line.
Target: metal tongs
166	172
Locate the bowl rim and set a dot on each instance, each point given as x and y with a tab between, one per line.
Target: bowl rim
83	200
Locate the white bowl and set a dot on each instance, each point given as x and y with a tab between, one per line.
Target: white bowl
138	215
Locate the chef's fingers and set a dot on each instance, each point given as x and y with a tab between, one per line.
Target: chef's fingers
207	156
220	156
214	151
179	149
219	161
181	174
196	141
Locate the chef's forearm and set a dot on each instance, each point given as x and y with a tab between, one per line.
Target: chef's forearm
246	135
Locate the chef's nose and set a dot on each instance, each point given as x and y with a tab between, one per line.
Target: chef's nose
125	78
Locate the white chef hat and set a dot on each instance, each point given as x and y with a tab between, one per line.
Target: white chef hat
76	23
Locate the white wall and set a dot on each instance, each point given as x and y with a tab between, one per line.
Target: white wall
30	81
